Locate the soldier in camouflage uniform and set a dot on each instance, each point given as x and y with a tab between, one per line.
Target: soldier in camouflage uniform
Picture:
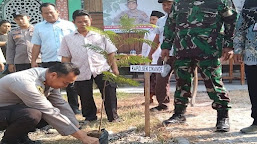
139	16
194	30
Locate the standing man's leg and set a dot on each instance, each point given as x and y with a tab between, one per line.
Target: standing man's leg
85	91
251	77
110	102
184	69
18	121
162	88
20	67
73	98
212	74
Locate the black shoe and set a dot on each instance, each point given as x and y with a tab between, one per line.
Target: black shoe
175	119
222	124
77	111
159	108
91	119
83	123
117	120
27	140
8	142
23	140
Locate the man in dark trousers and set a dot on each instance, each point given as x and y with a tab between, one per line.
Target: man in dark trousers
92	65
245	45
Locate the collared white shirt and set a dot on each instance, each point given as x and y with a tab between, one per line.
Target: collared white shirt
160	30
49	37
89	62
146	48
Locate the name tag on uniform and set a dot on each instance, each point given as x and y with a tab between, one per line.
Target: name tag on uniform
255	27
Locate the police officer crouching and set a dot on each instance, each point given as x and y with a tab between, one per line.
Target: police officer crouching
32	97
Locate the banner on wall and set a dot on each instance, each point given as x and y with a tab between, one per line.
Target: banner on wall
140	10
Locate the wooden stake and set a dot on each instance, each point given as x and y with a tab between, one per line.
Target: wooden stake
147	103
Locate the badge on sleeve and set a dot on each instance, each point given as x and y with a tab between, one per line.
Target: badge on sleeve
40	89
255	27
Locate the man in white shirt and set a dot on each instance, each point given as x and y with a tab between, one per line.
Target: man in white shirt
91	65
155	15
162	83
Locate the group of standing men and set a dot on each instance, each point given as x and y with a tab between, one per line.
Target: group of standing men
53	44
192	28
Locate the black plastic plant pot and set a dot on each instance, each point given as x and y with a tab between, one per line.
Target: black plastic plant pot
103	139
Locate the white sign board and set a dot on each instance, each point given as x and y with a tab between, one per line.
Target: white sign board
146	68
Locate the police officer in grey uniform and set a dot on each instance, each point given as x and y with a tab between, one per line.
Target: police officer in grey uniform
30	96
19	47
139	16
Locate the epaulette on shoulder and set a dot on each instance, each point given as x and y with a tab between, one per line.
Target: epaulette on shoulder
15	30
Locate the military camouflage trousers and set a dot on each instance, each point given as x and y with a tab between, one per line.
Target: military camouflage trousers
211	73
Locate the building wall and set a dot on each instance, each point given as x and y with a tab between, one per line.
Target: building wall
65	8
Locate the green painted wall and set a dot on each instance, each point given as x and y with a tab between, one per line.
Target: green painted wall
49	1
73	5
1	1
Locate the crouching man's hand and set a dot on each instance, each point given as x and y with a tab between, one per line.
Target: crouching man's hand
81	135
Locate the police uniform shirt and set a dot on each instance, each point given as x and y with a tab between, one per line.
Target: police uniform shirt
27	87
3	38
19	49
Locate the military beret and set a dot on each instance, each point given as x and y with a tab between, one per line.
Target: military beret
132	1
157	13
161	1
19	13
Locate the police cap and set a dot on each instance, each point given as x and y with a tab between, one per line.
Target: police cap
19	13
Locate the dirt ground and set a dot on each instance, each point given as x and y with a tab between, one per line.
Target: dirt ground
199	128
201	120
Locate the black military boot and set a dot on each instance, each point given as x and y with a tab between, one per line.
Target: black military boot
177	117
222	124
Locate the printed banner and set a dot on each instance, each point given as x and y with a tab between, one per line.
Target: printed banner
114	10
141	10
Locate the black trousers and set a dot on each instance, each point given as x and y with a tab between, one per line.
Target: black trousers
251	76
18	121
20	67
85	91
49	64
72	97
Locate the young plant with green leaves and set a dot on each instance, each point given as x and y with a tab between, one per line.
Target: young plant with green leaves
127	26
